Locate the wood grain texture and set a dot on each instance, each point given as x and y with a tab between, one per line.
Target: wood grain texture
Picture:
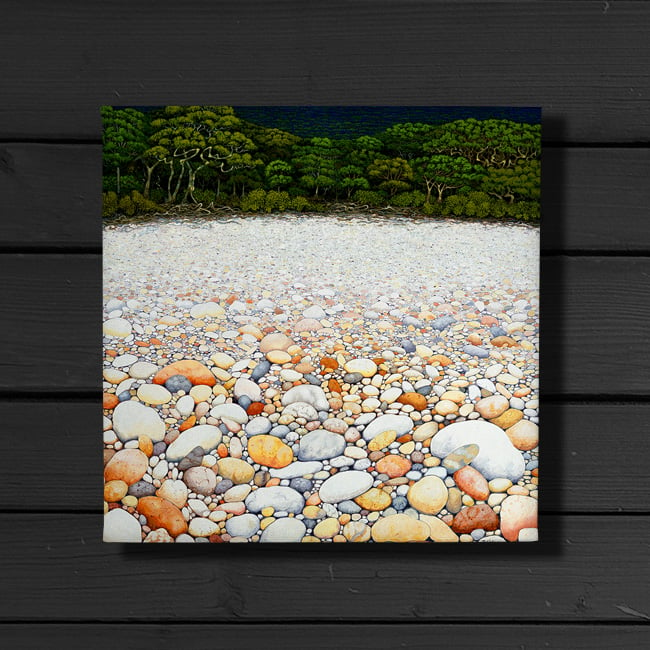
594	199
578	445
583	62
415	636
54	567
50	312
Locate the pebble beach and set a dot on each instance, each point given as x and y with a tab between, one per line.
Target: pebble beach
312	378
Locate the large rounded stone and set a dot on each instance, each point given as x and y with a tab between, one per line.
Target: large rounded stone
236	470
195	371
278	497
365	367
517	512
400	528
428	495
497	457
285	530
269	451
160	513
132	419
473	517
313	395
201	480
320	445
154	394
205	436
128	465
524	435
344	486
119	328
275	341
491	407
121	527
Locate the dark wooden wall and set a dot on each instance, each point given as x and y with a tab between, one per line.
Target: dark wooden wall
587	64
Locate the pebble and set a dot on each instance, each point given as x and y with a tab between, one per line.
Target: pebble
517	512
400	528
132	419
286	530
121	527
205	436
320	445
243	525
345	485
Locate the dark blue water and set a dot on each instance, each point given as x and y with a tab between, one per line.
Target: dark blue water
353	121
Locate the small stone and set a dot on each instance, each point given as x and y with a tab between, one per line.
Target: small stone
472	482
439	530
499	484
143	370
160	513
365	367
312	395
401	424
158	536
207	310
117	327
236	470
473	517
247	388
491	407
222	360
201	480
460	457
174	491
383	440
320	445
327	528
428	495
153	394
524	435
243	525
374	499
177	383
269	451
508	418
278	497
195	371
416	400
115	490
425	431
275	341
393	465
356	531
202	527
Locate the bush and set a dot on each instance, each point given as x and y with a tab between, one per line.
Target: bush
413	199
109	204
369	197
277	201
300	203
254	201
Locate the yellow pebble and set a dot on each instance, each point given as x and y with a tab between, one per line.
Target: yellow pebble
267	521
268	511
382	440
130	500
311	512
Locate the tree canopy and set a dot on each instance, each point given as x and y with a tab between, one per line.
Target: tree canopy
208	155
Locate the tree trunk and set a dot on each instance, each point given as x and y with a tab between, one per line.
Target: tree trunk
440	189
118	180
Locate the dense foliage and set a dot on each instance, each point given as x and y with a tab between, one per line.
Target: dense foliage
208	155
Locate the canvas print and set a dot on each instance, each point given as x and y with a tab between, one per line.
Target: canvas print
320	324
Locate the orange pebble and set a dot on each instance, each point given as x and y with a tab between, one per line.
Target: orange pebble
535	471
110	401
441	359
329	362
255	408
145	445
155	341
222	450
189	423
272	481
407	437
334	386
313	500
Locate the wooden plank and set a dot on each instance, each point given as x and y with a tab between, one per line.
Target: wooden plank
584	62
51	195
579	456
54	567
593	324
415	636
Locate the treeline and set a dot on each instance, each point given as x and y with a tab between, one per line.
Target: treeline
207	155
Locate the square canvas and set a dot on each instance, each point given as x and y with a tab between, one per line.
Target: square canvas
320	324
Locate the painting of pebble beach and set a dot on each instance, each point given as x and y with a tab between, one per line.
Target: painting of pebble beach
320	324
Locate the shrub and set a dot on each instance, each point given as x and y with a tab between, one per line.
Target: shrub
413	199
299	203
369	197
127	184
204	196
254	201
276	201
109	204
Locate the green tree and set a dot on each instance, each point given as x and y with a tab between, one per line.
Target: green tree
521	181
123	138
406	140
192	138
278	174
392	174
351	178
317	162
444	173
490	143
